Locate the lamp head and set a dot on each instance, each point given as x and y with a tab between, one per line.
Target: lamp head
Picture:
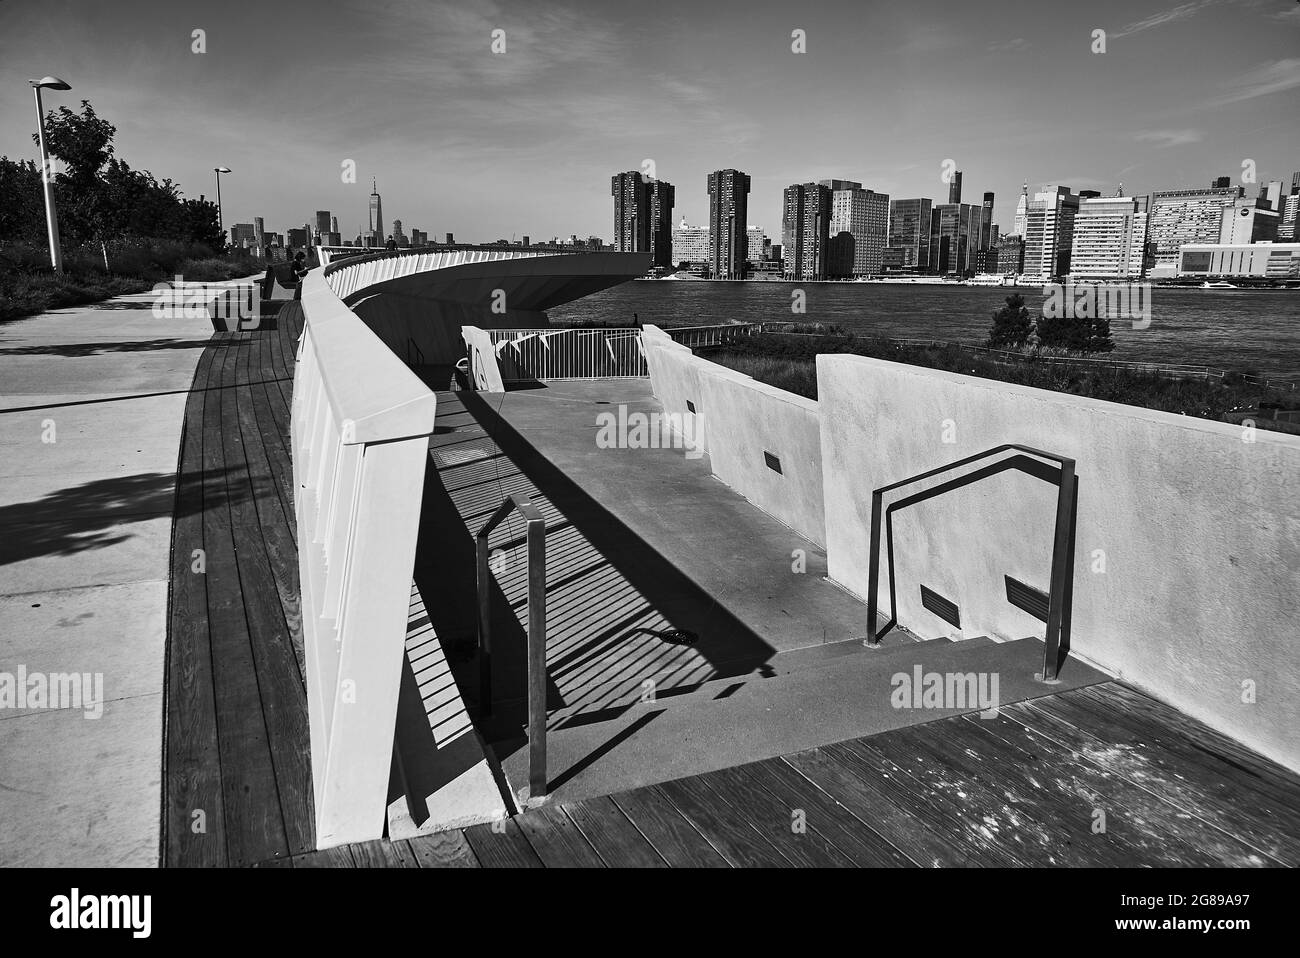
221	169
50	83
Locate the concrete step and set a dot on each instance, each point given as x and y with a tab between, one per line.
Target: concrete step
848	697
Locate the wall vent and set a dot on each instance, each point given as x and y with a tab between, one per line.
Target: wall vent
690	406
1027	598
943	608
772	461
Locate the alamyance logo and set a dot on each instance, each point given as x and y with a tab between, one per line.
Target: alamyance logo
53	690
1111	301
656	430
75	911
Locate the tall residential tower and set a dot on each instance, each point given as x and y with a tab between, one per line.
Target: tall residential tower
728	220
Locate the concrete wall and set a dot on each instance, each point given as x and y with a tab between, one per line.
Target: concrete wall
1187	576
434	325
739	420
482	360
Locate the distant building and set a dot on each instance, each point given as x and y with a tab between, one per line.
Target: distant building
986	222
398	236
954	239
1006	256
418	237
805	231
1249	221
1271	192
859	229
1286	227
323	221
1221	183
908	248
334	224
728	221
758	248
1279	261
1022	212
1110	236
954	188
297	237
662	197
376	230
1176	218
631	212
1049	232
691	245
243	235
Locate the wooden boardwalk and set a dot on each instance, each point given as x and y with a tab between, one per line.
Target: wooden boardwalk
1099	776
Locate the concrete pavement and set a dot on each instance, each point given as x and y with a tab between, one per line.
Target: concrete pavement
91	407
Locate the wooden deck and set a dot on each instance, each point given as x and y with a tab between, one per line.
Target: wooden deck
1099	776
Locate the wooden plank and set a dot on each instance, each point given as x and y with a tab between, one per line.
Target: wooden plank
338	857
443	850
738	841
194	826
742	796
912	795
676	840
1140	827
863	845
282	694
559	843
613	835
1176	772
925	845
382	853
503	846
253	820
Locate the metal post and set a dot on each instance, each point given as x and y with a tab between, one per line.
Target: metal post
51	215
873	571
1060	569
221	216
536	658
484	626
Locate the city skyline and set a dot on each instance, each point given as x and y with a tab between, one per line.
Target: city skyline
585	88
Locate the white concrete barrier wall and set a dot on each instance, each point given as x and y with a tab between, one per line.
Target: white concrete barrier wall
483	366
740	419
1187	576
360	426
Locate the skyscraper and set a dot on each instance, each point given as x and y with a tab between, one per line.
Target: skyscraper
728	220
1176	218
954	238
376	233
1049	232
662	196
859	229
986	221
954	188
1022	212
805	228
631	212
323	221
909	236
334	224
1110	236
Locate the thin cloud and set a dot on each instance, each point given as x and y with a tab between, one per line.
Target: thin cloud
1008	46
1164	138
1174	14
1272	77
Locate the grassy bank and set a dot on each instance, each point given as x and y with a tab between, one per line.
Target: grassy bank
29	287
788	362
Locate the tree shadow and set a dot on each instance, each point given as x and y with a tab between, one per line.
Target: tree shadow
93	515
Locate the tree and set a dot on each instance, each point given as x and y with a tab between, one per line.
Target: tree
1076	334
1012	327
22	206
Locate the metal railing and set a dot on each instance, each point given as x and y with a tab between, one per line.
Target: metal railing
531	355
536	538
1062	575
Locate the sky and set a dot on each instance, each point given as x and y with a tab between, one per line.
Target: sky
492	145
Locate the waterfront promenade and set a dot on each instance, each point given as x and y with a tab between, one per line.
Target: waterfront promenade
91	408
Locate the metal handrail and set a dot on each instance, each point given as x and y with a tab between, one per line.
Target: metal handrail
536	630
1060	595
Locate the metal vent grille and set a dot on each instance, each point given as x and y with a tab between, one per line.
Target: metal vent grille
943	608
1026	597
772	461
690	406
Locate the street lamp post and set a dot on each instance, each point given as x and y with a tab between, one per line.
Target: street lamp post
47	178
221	218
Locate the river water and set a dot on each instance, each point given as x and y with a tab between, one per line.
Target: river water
1245	330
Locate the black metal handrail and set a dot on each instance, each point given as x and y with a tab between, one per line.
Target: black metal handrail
536	630
1060	595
